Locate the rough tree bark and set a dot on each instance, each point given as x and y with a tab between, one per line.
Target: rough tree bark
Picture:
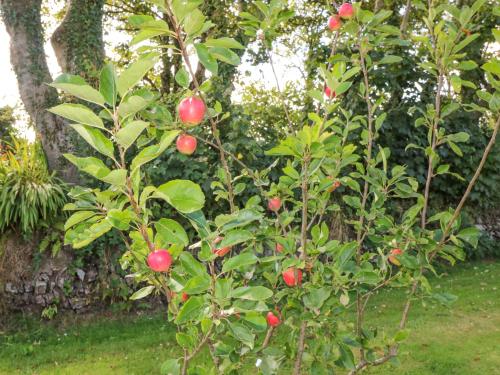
78	41
23	22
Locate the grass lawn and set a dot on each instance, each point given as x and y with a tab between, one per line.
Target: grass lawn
464	340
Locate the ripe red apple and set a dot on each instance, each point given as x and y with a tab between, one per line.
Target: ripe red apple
272	319
329	93
334	22
186	144
192	110
274	204
289	276
159	260
279	248
184	296
393	256
346	10
220	251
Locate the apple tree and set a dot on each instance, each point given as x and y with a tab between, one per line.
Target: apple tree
271	265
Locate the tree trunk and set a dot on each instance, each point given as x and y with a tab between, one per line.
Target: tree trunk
23	23
78	41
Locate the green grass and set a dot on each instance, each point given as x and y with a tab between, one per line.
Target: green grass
464	340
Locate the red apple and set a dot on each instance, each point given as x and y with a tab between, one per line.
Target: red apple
346	10
160	260
274	204
272	319
393	257
184	296
334	22
289	276
279	248
192	110
220	251
329	93
186	144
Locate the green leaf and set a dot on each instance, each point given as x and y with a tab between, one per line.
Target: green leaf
316	298
120	219
241	260
181	8
225	55
191	265
235	237
185	196
256	320
141	293
224	42
252	293
135	72
459	137
93	166
96	139
390	59
171	366
243	334
492	66
193	22
206	58
191	310
169	231
197	284
107	84
79	114
84	92
182	78
78	217
470	235
117	177
152	152
127	135
456	83
132	105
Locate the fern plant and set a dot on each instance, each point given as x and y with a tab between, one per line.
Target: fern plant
30	195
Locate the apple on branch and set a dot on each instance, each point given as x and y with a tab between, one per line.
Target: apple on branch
159	260
186	144
192	111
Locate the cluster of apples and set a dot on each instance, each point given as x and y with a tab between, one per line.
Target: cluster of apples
191	113
346	11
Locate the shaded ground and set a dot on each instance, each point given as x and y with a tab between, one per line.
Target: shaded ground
463	340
